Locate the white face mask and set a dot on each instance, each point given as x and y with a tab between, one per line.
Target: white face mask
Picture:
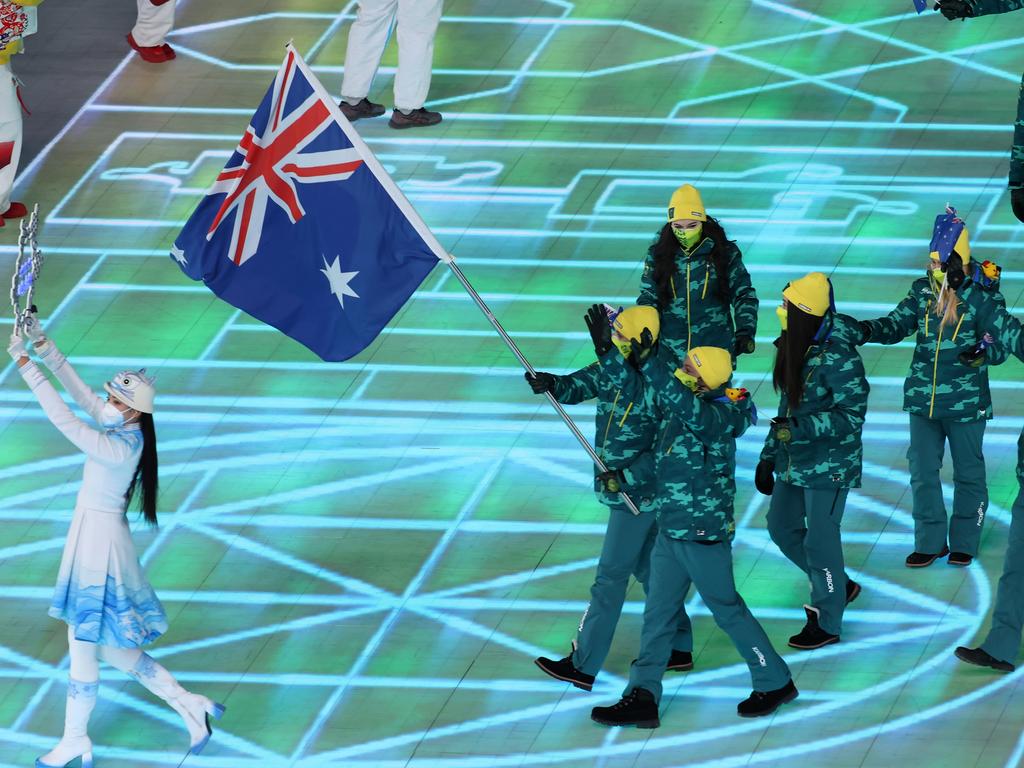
110	416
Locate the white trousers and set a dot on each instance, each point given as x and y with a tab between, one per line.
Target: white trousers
154	22
416	28
10	134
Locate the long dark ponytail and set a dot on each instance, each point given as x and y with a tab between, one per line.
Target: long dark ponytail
791	350
146	471
663	253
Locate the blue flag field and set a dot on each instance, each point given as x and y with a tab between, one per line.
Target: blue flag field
304	229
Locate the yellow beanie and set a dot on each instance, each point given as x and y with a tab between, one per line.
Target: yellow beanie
713	364
811	293
630	323
686	204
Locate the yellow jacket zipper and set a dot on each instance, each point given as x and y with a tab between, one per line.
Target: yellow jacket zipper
608	426
935	372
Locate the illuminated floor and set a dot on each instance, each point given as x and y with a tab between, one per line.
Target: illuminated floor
362	559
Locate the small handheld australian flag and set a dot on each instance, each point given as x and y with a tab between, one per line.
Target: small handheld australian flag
921	5
304	229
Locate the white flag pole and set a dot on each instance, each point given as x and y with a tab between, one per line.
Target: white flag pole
382	176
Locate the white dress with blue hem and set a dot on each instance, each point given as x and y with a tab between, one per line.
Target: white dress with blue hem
101	589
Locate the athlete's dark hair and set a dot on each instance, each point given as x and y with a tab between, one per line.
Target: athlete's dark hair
146	471
791	350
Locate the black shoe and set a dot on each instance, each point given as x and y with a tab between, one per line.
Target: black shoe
960	558
1017	203
418	118
637	707
812	635
922	560
763	703
980	658
852	590
365	108
564	670
680	661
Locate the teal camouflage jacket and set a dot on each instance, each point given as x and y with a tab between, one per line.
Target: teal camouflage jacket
695	457
825	451
625	426
938	385
1020	461
985	7
697	317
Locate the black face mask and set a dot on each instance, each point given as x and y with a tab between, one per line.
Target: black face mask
954	269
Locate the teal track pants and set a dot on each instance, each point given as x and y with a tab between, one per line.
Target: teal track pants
805	524
932	529
675	564
626	551
1003	641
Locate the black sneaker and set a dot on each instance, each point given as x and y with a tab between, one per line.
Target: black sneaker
365	108
563	669
852	590
922	560
960	558
418	118
812	635
680	661
635	708
763	703
980	658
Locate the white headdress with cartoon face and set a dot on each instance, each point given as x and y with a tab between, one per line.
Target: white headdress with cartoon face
133	388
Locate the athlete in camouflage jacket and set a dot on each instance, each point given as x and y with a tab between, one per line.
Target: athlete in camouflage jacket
946	400
696	466
812	454
963	9
705	295
625	427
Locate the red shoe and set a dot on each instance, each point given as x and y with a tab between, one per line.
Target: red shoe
154	54
15	211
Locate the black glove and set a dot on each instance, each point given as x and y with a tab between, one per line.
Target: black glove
540	382
764	477
612	481
744	345
782	428
955	9
976	356
865	332
642	347
600	329
1017	203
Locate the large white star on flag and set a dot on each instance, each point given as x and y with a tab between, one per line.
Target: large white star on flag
178	254
339	280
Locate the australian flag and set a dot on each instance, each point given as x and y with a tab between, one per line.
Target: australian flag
921	5
303	229
945	234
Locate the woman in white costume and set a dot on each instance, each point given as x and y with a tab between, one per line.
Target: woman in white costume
18	20
103	595
154	23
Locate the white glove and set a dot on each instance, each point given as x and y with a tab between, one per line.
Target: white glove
33	329
16	349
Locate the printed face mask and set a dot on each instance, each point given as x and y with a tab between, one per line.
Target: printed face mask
110	416
688	238
783	315
688	381
622	345
937	276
